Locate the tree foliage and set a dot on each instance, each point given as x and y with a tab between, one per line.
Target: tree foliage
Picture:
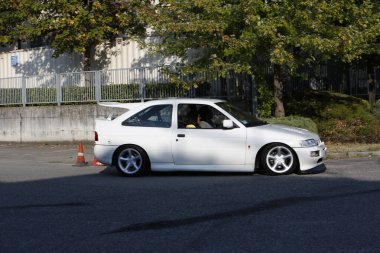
71	25
244	35
214	36
11	14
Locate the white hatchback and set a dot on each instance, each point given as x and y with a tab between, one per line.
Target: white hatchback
202	135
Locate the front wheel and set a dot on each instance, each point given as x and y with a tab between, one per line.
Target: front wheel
131	161
278	159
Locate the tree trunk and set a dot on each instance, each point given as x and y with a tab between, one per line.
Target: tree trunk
251	97
346	68
87	57
371	83
279	110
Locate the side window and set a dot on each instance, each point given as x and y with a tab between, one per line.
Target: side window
154	116
187	116
199	116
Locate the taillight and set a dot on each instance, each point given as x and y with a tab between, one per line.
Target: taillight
96	136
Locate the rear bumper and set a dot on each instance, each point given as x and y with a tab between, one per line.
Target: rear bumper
104	153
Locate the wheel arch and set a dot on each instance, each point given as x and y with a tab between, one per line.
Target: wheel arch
115	153
258	164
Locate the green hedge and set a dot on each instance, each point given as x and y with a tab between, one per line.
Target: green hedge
295	121
120	91
78	94
376	109
163	90
41	95
132	91
339	117
10	96
83	94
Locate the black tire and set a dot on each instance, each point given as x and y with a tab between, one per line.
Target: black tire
131	160
278	159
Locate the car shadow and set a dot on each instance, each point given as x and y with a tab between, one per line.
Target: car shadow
112	171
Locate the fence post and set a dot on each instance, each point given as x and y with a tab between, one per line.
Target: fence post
23	91
376	78
98	94
228	84
58	88
253	88
142	84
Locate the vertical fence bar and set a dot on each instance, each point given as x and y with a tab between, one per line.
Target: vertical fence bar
142	83
376	76
228	83
97	87
23	91
58	88
253	93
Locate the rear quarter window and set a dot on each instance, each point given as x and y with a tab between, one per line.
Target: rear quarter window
153	116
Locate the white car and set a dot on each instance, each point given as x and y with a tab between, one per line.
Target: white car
167	135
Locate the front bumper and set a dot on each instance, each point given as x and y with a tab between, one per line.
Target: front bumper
311	158
318	169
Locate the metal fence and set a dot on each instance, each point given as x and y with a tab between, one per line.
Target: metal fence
331	77
152	83
108	85
89	86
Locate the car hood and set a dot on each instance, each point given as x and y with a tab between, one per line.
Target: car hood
281	133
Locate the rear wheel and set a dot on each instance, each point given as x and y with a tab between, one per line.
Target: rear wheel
278	159
132	161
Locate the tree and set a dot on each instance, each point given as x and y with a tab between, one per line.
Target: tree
11	14
76	25
243	35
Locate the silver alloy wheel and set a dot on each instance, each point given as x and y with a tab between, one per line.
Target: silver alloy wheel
279	159
130	161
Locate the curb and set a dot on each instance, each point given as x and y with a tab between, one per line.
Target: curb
353	154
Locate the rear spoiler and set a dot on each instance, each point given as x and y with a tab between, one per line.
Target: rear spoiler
127	106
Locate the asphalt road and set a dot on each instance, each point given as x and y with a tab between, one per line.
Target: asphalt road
47	205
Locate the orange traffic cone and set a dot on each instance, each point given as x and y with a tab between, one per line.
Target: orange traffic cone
80	158
95	162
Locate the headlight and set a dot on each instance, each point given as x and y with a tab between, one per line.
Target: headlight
309	143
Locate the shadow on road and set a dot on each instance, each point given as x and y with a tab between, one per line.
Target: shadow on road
96	210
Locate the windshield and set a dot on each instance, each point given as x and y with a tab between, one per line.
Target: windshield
243	117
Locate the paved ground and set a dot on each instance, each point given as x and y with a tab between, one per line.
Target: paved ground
47	205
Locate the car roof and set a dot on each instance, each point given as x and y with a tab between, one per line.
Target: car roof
130	106
186	100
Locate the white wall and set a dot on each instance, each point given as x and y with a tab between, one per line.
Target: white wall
39	61
50	123
124	54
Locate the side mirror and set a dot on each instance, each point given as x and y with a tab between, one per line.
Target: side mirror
228	124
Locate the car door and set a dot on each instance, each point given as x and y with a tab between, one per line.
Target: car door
206	146
151	129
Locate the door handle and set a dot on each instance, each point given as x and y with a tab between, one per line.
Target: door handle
180	135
